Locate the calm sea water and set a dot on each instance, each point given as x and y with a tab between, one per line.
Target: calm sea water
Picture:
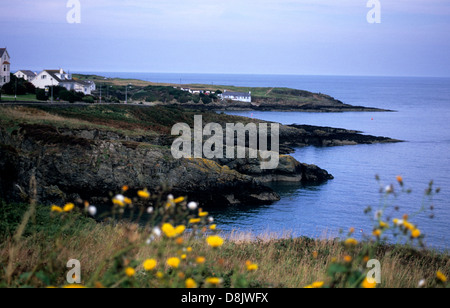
422	120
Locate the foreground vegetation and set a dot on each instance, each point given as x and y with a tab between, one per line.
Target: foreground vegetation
178	245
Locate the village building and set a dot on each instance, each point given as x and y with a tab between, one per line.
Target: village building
50	78
5	67
237	96
25	74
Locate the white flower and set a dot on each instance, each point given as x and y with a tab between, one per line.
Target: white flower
170	198
389	189
157	231
120	198
150	210
192	206
210	220
422	283
92	210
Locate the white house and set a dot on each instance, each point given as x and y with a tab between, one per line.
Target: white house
237	96
77	86
25	74
48	78
5	66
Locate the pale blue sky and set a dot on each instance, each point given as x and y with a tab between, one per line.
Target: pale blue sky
305	37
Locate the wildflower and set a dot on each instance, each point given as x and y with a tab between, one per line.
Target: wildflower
168	230
213	227
409	226
130	272
214	281
173	262
127	201
144	194
159	275
170	198
119	200
210	220
92	210
74	286
366	284
251	267
192	206
348	259
384	225
189	249
377	233
400	179
180	229
200	260
214	241
422	283
397	222
352	230
183	257
156	231
194	220
68	207
178	200
441	277
150	264
190	283
150	210
315	285
179	241
203	214
125	188
56	209
389	189
415	233
351	242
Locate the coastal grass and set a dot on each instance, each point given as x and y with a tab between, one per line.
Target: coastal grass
45	247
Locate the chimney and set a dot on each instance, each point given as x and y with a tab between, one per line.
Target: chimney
61	71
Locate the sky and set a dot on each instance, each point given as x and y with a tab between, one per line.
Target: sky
302	37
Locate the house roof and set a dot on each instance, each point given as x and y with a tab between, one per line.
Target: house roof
27	72
2	50
83	83
6	62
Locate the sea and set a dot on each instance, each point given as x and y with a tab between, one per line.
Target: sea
421	118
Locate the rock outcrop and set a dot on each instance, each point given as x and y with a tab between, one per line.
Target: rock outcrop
89	164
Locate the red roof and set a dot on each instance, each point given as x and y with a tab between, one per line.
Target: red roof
6	62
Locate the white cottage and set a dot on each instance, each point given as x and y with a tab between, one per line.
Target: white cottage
48	78
237	96
5	66
25	74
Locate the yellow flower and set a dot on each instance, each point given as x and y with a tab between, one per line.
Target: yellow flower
118	202
178	200
400	179
251	267
68	207
415	233
130	272
127	201
383	225
213	280
189	249
200	260
56	209
348	259
441	277
190	283
351	242
183	256
377	233
213	227
180	229
352	230
169	230
194	220
159	275
125	188
144	194
74	286
214	241
150	264
315	285
173	262
202	214
367	285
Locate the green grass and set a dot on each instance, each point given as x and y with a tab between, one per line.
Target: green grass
26	98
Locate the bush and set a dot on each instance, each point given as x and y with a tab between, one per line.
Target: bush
88	99
41	95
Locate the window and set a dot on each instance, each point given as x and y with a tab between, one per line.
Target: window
44	77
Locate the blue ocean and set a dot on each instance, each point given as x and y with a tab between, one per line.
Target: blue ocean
421	119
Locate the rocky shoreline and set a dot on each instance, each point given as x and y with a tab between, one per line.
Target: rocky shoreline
91	163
